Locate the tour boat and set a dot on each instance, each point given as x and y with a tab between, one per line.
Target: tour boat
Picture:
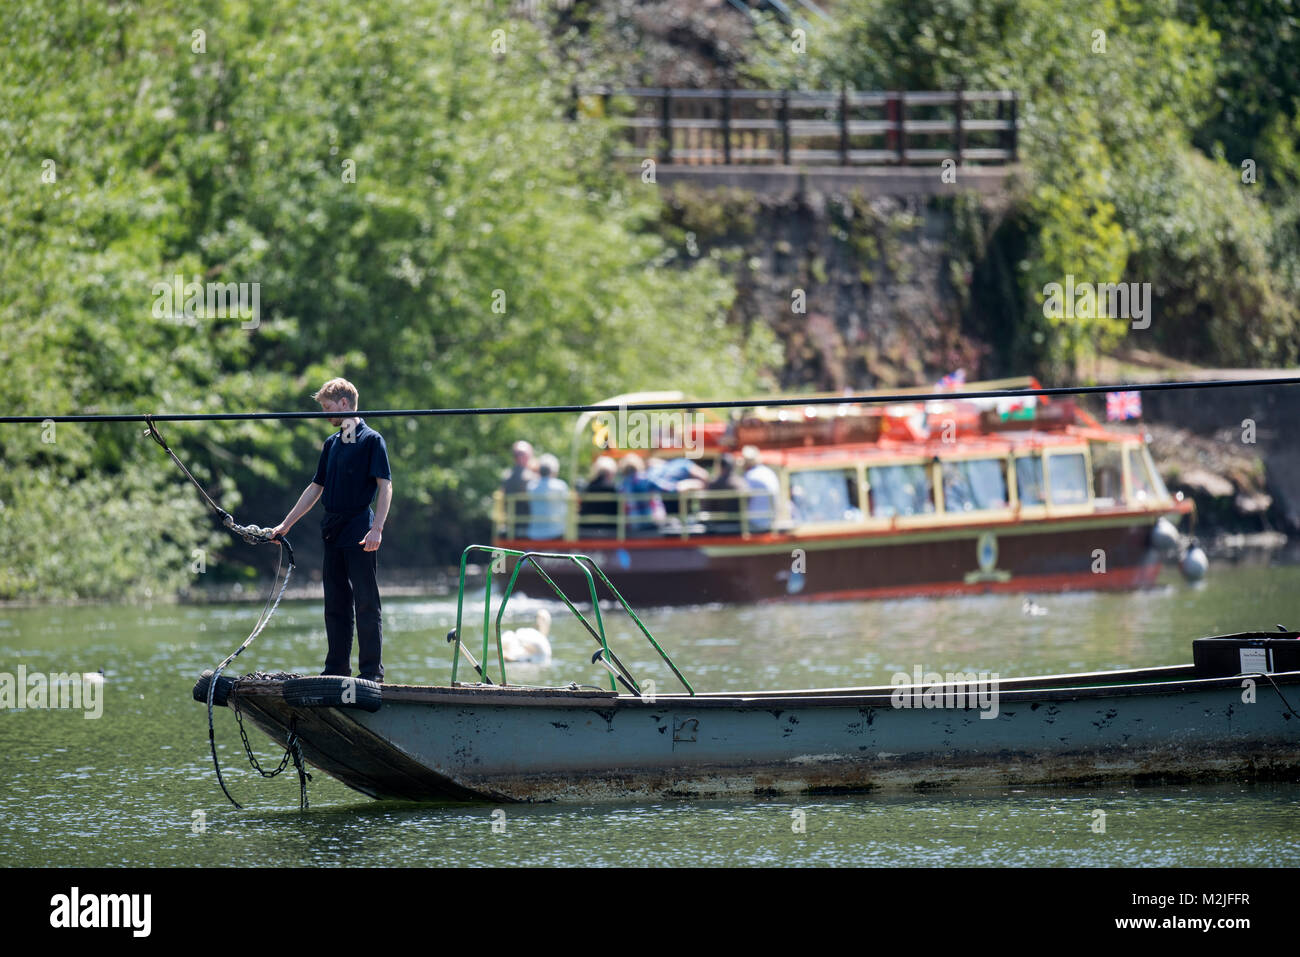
909	498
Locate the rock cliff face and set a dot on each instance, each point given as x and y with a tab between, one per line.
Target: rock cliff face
1236	452
862	291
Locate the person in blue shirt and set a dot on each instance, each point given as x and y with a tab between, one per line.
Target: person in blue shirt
548	500
674	476
677	471
352	472
644	506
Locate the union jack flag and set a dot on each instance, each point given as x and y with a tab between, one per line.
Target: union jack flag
1123	405
953	379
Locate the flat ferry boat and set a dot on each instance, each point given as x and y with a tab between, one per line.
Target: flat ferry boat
884	501
1227	715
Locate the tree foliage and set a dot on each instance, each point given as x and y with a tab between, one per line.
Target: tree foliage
1125	109
421	217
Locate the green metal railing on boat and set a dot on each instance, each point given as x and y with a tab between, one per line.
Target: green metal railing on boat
619	674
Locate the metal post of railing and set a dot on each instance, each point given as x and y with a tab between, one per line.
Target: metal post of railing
1001	118
682	513
901	132
1013	131
666	127
844	124
744	515
958	105
622	519
785	127
726	125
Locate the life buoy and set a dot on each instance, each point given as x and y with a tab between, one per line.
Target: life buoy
333	691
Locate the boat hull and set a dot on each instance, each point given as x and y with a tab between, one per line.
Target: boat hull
499	745
1080	553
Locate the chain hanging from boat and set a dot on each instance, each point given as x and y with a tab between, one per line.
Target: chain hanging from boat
292	749
253	535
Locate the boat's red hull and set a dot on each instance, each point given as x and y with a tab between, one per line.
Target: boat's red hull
1088	552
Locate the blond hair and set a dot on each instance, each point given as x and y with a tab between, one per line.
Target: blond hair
337	389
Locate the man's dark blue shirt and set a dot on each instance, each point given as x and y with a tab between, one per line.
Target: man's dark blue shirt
348	471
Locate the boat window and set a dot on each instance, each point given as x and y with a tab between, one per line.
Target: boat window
1069	479
1147	484
1107	473
1029	480
900	490
973	485
826	495
1161	490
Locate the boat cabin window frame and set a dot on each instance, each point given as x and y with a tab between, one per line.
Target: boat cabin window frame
1064	452
786	506
1118	466
1032	455
1158	494
928	468
1003	462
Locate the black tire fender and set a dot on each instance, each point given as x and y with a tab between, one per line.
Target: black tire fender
220	696
333	691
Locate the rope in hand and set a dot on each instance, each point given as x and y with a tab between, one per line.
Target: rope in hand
253	535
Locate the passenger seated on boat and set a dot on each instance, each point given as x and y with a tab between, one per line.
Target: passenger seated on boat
681	472
681	475
762	508
597	515
724	511
548	500
515	484
973	485
900	490
643	503
824	495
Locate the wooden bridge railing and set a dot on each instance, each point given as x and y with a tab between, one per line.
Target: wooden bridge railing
819	128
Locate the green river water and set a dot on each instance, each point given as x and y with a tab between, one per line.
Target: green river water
136	786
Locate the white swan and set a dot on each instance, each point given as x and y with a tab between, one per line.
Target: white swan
1032	608
529	645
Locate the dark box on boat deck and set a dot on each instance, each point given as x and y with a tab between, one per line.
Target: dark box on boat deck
1249	653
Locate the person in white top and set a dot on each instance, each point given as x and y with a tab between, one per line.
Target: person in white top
761	508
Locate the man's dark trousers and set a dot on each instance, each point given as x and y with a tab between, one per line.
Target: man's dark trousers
349	577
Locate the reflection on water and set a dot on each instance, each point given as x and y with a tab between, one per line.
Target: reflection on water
125	789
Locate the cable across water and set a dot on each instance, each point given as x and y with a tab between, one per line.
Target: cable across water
810	400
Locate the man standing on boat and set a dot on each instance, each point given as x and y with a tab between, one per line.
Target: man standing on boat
353	467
